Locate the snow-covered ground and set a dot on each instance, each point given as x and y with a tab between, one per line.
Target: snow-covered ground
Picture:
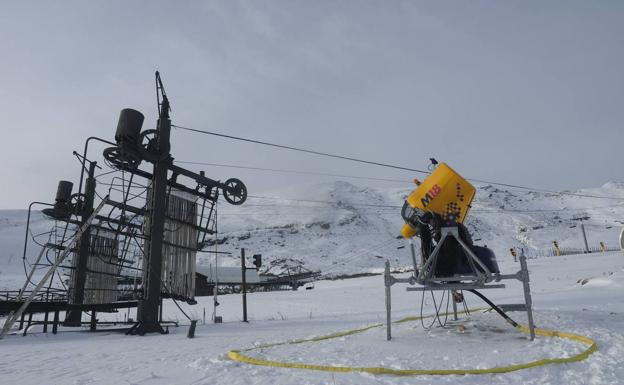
578	293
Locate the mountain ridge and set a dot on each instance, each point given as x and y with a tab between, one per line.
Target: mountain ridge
343	228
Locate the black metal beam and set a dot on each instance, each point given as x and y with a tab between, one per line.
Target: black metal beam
148	321
128	208
140	211
173	183
115	221
199	178
43	306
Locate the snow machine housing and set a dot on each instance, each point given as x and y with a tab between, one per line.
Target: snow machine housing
435	211
444	192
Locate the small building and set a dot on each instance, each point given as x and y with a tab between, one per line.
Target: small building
207	276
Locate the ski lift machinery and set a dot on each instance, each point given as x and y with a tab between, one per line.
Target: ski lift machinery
143	250
436	211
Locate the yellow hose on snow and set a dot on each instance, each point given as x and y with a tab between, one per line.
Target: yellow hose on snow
236	355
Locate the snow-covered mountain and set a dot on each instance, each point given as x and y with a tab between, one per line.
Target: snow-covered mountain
342	228
339	227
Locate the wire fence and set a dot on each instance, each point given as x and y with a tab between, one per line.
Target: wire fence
553	252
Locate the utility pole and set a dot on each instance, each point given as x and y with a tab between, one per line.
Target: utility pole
244	289
215	294
74	316
584	237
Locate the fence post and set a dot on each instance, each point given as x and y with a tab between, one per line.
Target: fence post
527	293
388	283
584	237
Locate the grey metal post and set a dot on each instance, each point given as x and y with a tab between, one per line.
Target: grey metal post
191	331
413	258
148	314
30	315
160	310
45	322
451	292
584	237
388	283
93	322
55	322
244	285
527	293
74	316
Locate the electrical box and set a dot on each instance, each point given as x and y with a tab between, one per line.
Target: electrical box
257	261
443	192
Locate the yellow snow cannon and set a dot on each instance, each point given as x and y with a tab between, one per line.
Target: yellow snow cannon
443	192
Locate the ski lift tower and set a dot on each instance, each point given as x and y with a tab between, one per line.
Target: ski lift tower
134	146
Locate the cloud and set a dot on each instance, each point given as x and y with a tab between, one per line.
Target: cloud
527	93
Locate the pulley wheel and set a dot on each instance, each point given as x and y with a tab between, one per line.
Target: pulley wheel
147	143
148	148
120	159
77	202
235	191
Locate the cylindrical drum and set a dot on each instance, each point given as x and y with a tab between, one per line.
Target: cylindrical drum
129	127
64	190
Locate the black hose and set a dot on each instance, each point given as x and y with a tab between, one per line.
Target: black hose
496	308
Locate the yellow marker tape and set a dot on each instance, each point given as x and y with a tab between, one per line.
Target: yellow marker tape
237	356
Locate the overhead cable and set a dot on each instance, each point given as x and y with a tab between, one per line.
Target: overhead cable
299	149
293	171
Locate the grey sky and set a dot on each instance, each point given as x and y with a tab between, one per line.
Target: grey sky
519	92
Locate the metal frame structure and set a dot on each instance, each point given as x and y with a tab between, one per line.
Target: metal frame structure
13	316
480	278
142	220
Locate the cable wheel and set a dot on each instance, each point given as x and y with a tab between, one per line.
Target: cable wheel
77	201
120	159
148	144
235	191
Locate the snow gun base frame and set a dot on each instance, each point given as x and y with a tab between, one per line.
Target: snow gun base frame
479	279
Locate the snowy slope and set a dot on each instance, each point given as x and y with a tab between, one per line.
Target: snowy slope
578	293
343	228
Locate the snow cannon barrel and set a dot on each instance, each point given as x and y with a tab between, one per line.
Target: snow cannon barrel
443	192
129	128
